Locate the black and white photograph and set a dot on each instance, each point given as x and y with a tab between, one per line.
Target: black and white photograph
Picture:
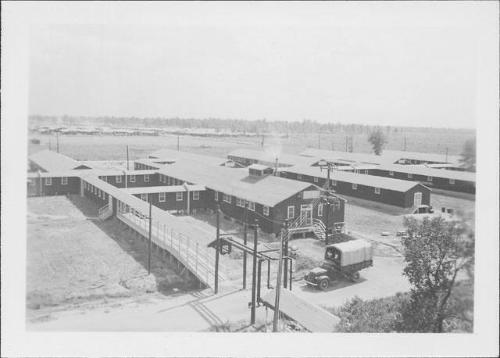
250	178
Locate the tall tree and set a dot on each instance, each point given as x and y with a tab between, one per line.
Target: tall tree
435	251
377	139
468	159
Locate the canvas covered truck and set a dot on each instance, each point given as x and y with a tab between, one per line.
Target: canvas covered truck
344	259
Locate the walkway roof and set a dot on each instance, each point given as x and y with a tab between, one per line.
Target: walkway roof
310	316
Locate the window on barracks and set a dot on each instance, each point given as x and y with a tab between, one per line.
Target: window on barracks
391	173
377	190
179	196
320	209
265	210
291	212
315	179
226	198
132	178
144	197
334	183
251	206
354	186
410	175
118	178
48	181
452	181
161	197
429	178
216	195
196	195
146	178
64	180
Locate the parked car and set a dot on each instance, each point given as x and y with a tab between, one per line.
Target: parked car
344	259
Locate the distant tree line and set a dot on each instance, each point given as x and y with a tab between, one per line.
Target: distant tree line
240	125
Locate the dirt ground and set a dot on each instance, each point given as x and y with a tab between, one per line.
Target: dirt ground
74	260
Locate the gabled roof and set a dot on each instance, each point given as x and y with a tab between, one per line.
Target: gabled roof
55	162
360	179
268	158
331	155
431	157
177	156
267	190
430	172
387	156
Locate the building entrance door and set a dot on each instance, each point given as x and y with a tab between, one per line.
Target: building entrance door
417	199
306	214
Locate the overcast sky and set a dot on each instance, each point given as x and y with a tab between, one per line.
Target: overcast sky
396	64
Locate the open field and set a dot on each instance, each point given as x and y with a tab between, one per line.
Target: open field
113	147
74	260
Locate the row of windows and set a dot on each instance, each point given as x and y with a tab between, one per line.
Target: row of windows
64	181
241	203
131	179
429	178
162	197
169	181
291	211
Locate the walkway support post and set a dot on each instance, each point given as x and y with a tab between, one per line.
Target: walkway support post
245	243
285	254
254	273
259	280
278	282
149	243
217	247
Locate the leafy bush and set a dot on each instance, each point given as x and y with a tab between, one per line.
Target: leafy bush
379	315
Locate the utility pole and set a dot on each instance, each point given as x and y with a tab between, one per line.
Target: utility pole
278	282
446	160
404	144
346	143
127	159
149	234
285	254
254	273
217	247
178	144
319	140
245	225
57	141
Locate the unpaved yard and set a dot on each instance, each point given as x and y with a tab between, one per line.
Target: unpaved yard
74	259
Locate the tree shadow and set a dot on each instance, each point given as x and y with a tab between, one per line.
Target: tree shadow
137	248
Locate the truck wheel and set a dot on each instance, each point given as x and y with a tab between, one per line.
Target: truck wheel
355	277
323	284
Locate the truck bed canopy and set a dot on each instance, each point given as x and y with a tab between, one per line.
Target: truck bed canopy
354	251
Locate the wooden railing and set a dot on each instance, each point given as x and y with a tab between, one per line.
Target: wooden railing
195	256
